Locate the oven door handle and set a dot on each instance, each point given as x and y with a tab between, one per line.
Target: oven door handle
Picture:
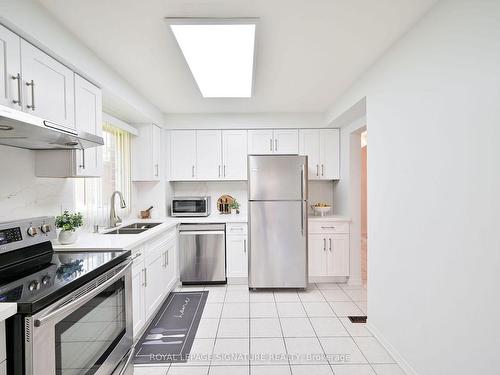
83	299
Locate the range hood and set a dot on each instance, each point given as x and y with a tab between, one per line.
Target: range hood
19	129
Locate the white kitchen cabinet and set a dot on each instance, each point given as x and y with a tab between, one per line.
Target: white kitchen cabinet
260	141
286	141
138	286
209	155
10	69
323	150
328	248
154	279
88	118
309	145
146	153
237	250
48	87
273	141
234	154
182	155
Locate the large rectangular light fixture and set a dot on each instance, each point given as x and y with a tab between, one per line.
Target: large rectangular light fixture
219	53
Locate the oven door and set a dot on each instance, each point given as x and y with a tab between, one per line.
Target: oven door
86	332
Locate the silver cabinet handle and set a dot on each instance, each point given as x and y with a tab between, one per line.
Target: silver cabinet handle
145	279
322	170
324	244
270	144
236	228
192	171
317	170
83	159
224	171
166	257
330	240
219	171
19	84
245	246
327	227
276	144
32	84
156	170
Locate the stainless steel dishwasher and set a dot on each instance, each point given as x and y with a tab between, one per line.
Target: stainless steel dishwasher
202	249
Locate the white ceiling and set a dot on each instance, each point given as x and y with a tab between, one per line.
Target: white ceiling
308	51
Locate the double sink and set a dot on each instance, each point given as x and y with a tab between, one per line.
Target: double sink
135	228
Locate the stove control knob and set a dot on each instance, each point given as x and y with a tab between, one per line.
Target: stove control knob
34	285
46	280
32	231
45	228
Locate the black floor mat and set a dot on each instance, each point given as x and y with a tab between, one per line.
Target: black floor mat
358	319
170	335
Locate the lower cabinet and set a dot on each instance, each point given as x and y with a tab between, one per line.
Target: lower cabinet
153	276
328	249
237	250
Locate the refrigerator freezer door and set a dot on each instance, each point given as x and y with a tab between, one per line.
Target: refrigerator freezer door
279	177
278	244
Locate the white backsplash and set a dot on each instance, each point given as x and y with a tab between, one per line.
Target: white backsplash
214	189
22	195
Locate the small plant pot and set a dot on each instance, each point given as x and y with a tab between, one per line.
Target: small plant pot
67	237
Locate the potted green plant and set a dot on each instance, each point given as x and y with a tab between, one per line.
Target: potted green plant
235	207
68	223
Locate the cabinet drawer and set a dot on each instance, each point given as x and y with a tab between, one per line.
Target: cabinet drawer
236	228
320	227
159	240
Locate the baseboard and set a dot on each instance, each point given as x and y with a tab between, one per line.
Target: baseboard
237	280
392	351
327	279
357	281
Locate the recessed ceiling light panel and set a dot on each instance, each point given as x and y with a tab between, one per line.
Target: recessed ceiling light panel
219	54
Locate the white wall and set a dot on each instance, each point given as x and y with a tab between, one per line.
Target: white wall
433	116
22	195
33	22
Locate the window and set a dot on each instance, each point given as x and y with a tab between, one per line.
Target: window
93	194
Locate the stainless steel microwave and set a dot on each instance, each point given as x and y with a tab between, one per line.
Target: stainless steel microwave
190	206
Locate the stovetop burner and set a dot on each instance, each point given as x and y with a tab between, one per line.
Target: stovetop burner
33	275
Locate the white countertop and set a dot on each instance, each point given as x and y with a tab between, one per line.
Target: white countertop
120	242
7	309
329	218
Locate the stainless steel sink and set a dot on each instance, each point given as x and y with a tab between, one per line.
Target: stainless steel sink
141	226
135	228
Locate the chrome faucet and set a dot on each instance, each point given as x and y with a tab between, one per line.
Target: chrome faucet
114	219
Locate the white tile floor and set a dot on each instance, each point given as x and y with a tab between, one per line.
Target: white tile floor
282	333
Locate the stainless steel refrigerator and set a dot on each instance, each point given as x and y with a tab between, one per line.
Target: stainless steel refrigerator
277	213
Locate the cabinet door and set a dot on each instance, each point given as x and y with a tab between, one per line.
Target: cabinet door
286	141
156	143
260	142
237	258
329	154
155	277
234	153
208	155
88	118
338	255
10	69
182	155
138	311
309	145
170	262
318	255
49	87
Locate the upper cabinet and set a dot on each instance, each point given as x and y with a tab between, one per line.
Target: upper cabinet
182	155
323	150
146	154
48	87
207	155
269	141
10	69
